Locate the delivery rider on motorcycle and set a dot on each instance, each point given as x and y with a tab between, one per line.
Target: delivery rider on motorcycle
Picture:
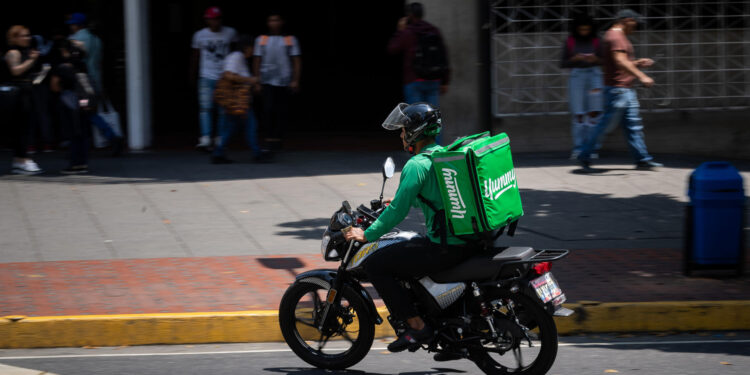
420	123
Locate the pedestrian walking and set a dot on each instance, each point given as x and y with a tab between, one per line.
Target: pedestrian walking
426	70
41	132
278	65
234	96
211	45
76	100
582	55
91	47
621	105
20	60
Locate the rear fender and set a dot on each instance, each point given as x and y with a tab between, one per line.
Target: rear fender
324	278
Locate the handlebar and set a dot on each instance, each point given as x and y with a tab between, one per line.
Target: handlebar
368	213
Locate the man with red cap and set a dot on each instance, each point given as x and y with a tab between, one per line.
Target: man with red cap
210	46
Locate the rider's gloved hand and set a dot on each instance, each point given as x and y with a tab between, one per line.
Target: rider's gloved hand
356	234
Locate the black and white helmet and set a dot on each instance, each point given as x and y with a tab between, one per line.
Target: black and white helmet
420	120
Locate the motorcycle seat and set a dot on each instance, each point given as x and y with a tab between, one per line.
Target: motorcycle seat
485	266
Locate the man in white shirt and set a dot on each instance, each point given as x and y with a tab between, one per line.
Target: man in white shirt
278	65
210	46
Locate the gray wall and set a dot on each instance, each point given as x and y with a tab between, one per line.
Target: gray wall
714	133
459	23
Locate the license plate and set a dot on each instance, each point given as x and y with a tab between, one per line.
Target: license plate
547	289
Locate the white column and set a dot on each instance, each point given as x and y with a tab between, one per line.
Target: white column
138	75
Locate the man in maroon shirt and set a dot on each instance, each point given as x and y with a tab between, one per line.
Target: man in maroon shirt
621	106
425	63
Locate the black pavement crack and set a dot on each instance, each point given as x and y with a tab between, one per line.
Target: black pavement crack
231	218
27	224
97	223
163	219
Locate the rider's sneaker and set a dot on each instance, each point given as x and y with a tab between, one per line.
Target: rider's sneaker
26	167
412	338
445	357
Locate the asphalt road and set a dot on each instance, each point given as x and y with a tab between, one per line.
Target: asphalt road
718	353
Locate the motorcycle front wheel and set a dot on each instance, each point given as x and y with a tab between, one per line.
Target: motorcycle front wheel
347	333
517	350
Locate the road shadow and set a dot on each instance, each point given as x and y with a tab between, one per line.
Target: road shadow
306	229
728	343
184	166
317	371
312	229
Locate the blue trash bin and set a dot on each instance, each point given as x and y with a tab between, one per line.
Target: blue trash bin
715	219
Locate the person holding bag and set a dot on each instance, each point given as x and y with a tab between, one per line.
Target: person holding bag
233	95
89	48
21	61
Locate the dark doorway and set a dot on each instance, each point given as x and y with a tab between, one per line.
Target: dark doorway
348	85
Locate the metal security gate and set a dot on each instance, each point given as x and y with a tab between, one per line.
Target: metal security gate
701	49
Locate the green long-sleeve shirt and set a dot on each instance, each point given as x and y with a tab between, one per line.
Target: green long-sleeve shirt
417	177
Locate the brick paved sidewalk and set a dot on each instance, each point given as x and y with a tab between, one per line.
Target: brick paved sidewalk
236	283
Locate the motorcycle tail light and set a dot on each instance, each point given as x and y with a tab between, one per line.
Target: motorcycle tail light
541	268
360	220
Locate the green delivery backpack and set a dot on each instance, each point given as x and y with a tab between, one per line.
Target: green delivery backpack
478	185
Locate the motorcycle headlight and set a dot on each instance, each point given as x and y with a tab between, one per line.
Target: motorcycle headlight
324	244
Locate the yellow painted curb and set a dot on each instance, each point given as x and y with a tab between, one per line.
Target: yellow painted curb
263	326
679	316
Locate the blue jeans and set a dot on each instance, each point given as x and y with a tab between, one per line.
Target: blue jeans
620	108
423	91
76	125
226	128
107	132
584	96
206	101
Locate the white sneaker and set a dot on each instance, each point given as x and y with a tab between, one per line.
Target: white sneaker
595	155
574	154
26	167
203	142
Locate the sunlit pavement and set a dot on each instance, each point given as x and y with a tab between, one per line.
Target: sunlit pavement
168	232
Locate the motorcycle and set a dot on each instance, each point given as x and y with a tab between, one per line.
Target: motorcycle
494	309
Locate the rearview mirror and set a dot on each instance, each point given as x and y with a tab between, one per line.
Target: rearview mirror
389	168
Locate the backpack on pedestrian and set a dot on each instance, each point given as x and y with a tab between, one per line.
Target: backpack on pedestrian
478	185
430	59
232	95
288	43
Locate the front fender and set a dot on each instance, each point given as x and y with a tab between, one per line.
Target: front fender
324	278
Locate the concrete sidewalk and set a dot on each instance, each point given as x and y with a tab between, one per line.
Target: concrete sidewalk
169	233
155	205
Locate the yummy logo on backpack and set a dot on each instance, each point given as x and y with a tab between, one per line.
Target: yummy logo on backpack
494	188
457	206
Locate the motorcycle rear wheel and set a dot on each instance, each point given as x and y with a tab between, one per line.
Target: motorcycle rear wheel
299	317
544	332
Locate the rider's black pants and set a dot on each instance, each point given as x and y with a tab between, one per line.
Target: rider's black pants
414	258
